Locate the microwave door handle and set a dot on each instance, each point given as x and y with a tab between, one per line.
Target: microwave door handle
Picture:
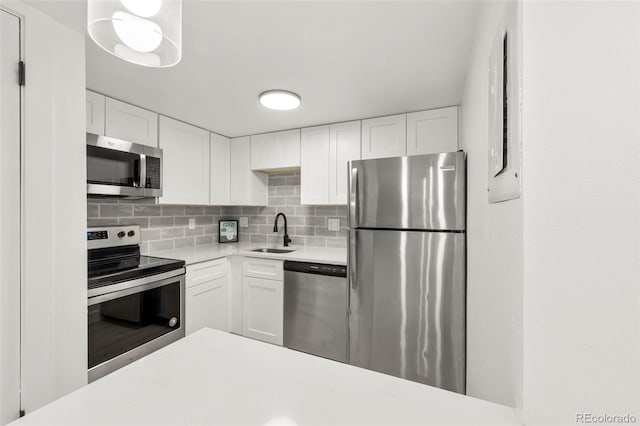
142	175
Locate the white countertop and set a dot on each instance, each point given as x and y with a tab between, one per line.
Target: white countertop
216	378
191	255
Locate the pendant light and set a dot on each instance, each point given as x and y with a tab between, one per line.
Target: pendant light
143	32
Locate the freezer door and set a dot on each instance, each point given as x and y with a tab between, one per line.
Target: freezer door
418	192
407	305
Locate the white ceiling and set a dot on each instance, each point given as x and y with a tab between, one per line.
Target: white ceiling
347	59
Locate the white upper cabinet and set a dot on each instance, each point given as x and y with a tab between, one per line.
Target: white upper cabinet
344	146
276	151
95	113
432	131
247	188
185	163
384	137
314	168
130	123
220	173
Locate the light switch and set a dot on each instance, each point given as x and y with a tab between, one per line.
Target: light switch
244	222
192	223
334	224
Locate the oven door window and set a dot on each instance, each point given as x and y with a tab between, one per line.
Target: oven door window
110	167
121	324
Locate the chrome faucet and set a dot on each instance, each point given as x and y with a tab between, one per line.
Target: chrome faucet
287	240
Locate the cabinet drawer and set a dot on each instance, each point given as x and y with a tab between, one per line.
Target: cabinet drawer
263	268
207	271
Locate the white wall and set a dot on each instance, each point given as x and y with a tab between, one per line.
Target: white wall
581	209
494	242
54	282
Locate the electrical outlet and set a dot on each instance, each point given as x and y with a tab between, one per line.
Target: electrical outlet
244	222
334	224
192	223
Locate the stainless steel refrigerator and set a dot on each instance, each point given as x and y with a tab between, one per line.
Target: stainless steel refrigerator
407	266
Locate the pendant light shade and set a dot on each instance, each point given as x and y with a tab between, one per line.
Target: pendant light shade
144	32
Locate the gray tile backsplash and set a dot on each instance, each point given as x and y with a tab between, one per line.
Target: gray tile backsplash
166	226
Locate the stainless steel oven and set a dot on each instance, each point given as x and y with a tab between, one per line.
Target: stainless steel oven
135	302
120	168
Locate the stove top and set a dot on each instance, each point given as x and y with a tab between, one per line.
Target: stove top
147	265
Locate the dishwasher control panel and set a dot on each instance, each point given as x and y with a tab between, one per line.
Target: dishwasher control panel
316	268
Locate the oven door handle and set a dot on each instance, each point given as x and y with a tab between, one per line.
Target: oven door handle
115	291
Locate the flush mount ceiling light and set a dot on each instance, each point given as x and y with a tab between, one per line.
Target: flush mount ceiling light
144	32
281	100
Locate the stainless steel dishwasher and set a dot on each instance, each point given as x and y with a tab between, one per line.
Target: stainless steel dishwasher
316	299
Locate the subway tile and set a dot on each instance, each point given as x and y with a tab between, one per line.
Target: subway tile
142	210
295	220
161	245
272	190
286	190
142	222
233	211
204	220
336	242
315	220
258	238
324	232
211	229
268	211
172	210
116	210
198	230
326	211
212	210
293	200
144	247
304	230
292	180
204	240
100	222
160	222
277	201
170	233
93	210
250	211
184	242
277	180
265	229
315	241
305	210
343	233
289	211
342	211
140	201
100	200
257	220
194	210
151	234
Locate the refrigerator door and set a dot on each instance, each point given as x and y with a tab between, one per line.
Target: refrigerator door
417	192
407	305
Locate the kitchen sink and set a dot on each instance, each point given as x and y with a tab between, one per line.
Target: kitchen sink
272	250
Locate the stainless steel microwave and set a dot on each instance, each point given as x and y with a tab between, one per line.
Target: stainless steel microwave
117	168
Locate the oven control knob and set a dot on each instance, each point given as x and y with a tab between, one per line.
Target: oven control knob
121	234
131	233
173	321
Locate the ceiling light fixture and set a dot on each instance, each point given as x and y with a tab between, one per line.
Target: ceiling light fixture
281	100
143	32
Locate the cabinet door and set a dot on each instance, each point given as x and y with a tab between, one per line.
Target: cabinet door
220	162
247	187
433	131
314	169
344	146
95	113
275	151
384	137
207	305
185	163
262	308
130	123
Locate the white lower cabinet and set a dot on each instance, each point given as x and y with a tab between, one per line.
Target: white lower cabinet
262	300
207	296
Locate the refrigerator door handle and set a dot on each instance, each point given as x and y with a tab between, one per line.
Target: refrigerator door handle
351	260
353	197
